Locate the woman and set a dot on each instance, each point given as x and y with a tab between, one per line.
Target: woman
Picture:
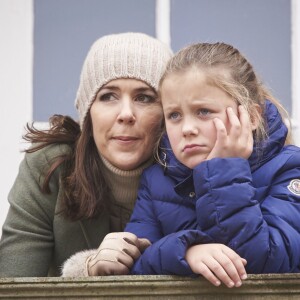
78	182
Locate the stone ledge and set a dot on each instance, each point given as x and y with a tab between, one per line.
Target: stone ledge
267	286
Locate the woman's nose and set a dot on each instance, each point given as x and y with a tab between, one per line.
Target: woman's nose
126	114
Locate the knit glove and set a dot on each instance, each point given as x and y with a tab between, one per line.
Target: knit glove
116	254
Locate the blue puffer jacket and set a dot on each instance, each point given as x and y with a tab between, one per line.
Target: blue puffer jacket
252	206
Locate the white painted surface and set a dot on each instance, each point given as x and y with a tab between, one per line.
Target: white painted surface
162	21
296	70
16	52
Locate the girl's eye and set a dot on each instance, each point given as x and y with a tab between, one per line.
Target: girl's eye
204	112
107	97
174	116
145	98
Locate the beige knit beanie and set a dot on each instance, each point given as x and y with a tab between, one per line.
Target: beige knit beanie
124	55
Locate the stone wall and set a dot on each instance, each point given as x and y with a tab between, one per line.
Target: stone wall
268	286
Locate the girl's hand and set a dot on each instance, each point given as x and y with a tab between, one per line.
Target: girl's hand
116	254
217	263
238	140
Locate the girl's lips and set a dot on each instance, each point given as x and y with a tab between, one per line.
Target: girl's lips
192	148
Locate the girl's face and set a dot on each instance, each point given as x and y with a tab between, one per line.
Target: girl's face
190	104
126	120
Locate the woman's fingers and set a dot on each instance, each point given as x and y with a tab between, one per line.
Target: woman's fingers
143	244
122	242
107	267
116	254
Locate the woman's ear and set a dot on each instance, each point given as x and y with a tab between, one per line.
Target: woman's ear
255	116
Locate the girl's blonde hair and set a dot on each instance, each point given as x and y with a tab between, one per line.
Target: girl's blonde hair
228	69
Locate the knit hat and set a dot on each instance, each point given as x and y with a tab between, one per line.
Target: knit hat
124	55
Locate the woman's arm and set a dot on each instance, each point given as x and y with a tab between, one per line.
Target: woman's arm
26	245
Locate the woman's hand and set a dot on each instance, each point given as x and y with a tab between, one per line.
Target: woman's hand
217	263
116	254
237	139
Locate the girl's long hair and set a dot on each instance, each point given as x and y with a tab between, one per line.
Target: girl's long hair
84	186
228	69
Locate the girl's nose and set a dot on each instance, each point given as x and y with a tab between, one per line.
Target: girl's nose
189	128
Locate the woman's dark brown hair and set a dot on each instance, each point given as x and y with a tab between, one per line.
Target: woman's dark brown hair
83	181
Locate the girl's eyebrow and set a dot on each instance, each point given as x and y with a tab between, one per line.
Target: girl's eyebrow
169	107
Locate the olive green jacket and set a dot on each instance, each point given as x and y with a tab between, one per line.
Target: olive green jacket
36	240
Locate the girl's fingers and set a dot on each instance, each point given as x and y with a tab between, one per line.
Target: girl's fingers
217	263
208	274
240	137
232	270
223	271
221	139
235	124
238	263
244	118
221	130
245	122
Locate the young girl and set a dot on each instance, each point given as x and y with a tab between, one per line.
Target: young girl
226	190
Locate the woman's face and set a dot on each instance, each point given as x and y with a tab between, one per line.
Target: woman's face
126	120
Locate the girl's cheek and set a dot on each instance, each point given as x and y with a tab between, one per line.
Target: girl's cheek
173	133
209	130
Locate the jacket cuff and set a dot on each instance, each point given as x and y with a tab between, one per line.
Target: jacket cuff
76	265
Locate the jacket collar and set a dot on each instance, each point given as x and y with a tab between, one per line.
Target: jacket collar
276	136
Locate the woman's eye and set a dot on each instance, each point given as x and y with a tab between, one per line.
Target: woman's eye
107	97
145	98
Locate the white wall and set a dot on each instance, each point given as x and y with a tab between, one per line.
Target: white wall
296	70
16	52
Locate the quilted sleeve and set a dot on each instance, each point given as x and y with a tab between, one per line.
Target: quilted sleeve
166	255
260	222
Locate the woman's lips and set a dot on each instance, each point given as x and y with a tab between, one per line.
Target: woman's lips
125	139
